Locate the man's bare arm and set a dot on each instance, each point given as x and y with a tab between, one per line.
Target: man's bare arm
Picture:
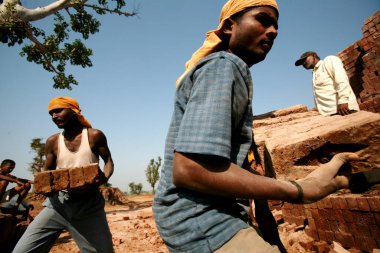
51	152
217	176
12	179
101	148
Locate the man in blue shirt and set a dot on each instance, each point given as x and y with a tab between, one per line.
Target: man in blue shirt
195	205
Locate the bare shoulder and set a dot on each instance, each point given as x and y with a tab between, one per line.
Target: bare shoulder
52	139
96	137
96	133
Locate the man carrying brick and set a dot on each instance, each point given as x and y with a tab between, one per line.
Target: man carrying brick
195	206
8	205
81	211
331	87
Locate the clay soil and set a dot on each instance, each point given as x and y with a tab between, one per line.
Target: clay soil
131	224
133	229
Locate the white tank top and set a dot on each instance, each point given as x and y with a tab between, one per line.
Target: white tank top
83	156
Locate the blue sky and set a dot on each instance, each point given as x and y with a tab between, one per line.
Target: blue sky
128	93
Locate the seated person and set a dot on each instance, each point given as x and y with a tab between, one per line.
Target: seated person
11	201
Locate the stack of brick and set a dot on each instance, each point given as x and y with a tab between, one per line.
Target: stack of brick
362	63
352	221
63	179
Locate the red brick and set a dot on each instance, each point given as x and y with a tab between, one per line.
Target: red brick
347	240
377	218
320	204
315	214
308	214
299	220
312	224
42	182
322	235
372	30
342	227
320	247
296	212
287	206
364	218
76	177
341	201
324	214
352	203
313	205
285	212
327	202
314	234
91	173
322	224
363	230
60	180
339	216
365	243
352	228
375	231
329	236
362	204
289	219
331	215
347	216
333	225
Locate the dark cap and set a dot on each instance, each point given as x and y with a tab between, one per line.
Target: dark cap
303	57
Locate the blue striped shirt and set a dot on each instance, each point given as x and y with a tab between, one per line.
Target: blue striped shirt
212	116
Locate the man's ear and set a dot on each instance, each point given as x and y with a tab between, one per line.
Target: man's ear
227	26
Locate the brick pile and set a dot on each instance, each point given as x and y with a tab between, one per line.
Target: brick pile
362	63
62	179
352	220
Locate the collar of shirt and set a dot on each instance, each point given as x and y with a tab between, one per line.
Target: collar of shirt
317	65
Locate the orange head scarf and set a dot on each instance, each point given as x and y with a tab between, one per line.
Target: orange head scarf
213	41
66	102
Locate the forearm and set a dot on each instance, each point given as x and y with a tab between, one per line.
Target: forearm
341	81
108	168
343	90
12	179
218	177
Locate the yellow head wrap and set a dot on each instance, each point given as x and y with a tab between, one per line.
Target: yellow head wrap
66	102
213	41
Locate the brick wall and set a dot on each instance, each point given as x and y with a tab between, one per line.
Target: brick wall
362	63
350	220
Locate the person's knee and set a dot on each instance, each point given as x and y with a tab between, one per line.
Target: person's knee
24	187
27	186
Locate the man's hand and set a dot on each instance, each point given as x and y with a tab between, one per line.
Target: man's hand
102	178
324	180
343	109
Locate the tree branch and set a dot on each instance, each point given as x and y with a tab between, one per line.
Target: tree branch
42	12
95	7
41	47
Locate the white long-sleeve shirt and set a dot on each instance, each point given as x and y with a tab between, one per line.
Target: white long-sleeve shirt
331	86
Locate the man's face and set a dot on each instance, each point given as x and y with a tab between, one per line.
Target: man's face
7	168
309	62
62	116
253	34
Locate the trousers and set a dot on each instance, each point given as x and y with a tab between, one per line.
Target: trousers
84	219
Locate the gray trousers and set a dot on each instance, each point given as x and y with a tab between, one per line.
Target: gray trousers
84	219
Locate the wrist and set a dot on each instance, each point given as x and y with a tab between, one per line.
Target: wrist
300	194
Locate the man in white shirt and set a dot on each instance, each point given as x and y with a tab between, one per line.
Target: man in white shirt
332	91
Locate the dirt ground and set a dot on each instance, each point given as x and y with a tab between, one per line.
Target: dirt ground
133	229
